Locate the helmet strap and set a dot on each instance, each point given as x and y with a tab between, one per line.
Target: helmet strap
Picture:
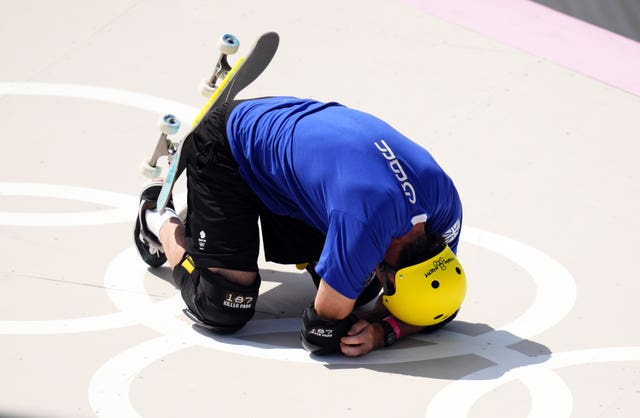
387	284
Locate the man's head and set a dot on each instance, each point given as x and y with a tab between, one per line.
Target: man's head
426	285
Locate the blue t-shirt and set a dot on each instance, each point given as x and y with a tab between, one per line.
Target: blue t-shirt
347	173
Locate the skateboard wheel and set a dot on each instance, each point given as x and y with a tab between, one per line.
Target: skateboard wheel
205	88
169	124
228	44
149	171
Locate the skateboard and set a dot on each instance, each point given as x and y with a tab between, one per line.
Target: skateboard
221	87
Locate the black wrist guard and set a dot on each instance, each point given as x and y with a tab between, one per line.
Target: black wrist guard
322	336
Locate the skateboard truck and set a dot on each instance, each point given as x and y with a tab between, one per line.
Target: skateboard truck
169	125
227	45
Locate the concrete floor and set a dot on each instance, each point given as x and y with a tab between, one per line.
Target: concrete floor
534	114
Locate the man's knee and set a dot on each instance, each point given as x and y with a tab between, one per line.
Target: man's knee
223	305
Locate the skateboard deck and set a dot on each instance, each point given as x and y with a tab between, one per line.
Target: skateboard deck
243	73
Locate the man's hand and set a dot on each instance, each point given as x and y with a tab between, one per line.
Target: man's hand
361	338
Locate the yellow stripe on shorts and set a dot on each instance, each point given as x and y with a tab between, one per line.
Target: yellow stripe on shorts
188	264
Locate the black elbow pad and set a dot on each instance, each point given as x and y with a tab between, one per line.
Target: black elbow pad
322	336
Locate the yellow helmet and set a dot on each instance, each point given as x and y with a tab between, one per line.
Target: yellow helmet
429	292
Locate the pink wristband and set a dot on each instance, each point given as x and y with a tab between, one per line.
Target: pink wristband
392	321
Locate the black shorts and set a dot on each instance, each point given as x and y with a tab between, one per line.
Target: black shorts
223	211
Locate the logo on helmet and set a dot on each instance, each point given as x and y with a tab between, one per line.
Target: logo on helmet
439	264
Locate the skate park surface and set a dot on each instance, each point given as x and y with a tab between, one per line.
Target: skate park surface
532	112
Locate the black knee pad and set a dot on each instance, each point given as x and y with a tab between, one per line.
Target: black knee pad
221	305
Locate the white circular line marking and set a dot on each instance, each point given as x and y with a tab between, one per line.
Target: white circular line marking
555	286
68	326
456	399
131	299
109	388
101	94
123	206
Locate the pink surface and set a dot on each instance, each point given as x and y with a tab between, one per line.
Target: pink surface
542	31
